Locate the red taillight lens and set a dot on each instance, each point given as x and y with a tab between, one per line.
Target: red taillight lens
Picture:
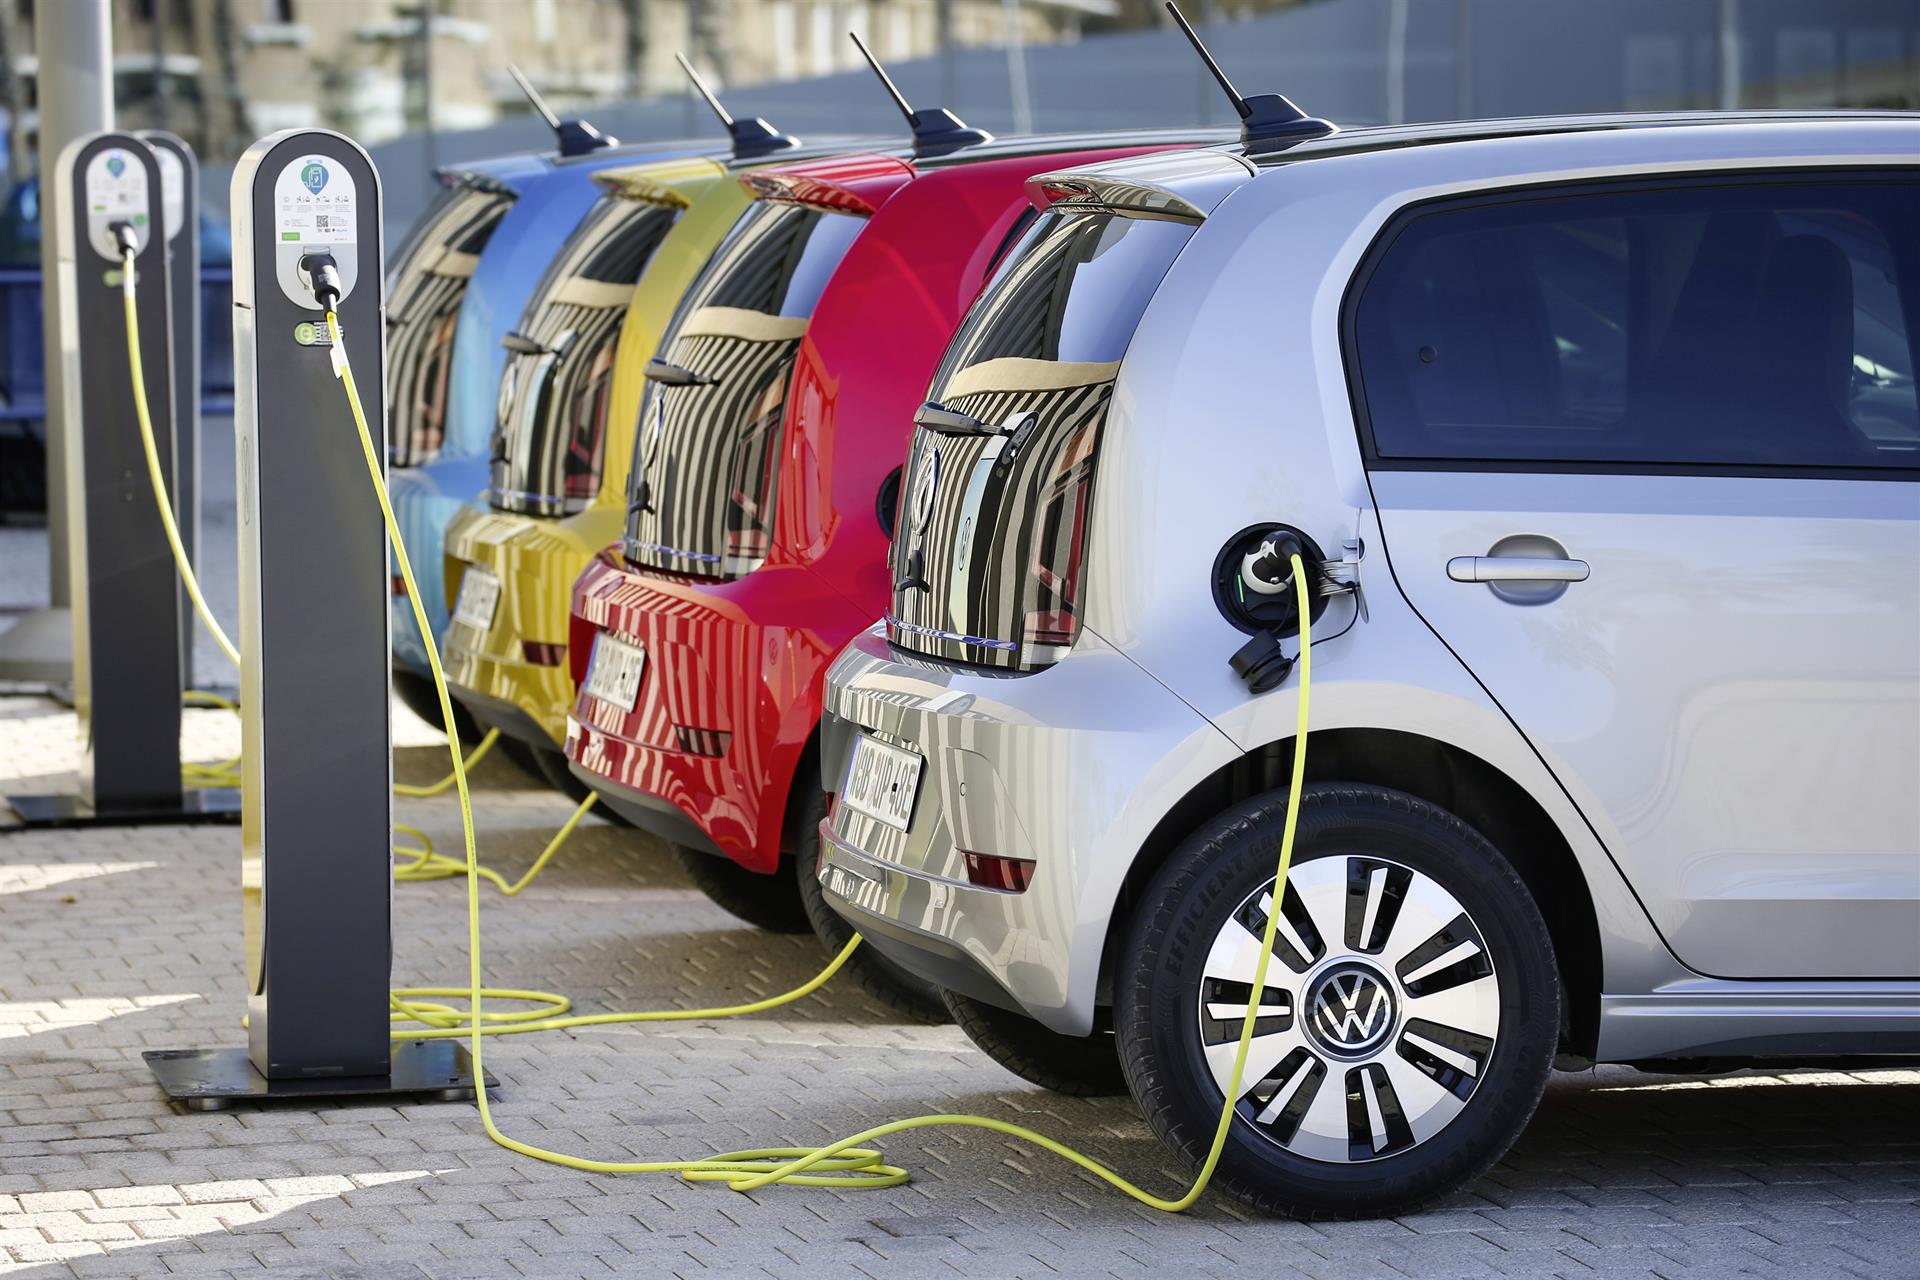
587	448
399	586
990	871
1060	541
755	464
543	655
702	742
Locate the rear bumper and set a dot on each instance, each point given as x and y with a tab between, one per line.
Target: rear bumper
1069	768
728	699
536	562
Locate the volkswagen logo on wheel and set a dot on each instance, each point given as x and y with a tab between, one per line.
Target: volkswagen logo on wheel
1350	1011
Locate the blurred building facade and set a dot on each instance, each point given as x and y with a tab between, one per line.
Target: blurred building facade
222	72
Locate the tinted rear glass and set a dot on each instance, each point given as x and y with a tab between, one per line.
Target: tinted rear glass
549	443
988	552
1743	323
425	288
707	452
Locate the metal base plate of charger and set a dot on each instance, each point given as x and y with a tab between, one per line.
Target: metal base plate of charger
51	812
214	1079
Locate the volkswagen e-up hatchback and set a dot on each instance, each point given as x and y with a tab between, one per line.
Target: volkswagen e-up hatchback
765	479
1600	439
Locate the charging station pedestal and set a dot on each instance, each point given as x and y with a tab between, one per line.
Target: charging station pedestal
180	223
125	588
315	691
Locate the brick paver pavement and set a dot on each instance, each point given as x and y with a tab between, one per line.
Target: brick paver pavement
112	942
116	941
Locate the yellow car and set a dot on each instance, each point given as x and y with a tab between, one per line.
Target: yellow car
563	440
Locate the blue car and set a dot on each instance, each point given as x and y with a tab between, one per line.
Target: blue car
455	289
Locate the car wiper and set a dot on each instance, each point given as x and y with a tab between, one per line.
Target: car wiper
673	375
521	345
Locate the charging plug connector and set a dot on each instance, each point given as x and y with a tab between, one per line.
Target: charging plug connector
323	274
125	239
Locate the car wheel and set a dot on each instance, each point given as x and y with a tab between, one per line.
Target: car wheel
417	694
770	902
1078	1066
878	976
1409	1018
525	757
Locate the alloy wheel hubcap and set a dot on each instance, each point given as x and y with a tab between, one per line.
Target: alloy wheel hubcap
1379	1016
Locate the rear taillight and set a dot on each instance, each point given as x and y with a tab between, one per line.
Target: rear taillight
399	586
990	871
750	495
1060	541
588	430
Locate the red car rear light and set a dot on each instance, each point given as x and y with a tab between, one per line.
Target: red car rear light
543	655
399	586
1060	541
702	742
990	871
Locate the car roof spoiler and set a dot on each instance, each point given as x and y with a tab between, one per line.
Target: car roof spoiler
856	184
1177	186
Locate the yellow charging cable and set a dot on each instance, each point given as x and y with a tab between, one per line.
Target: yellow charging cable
227	773
845	1163
428	865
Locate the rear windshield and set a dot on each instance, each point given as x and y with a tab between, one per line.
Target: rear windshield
707	452
549	439
425	286
988	554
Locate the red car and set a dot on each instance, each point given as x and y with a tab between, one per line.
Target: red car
764	487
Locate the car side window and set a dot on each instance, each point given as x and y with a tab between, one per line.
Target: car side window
1750	322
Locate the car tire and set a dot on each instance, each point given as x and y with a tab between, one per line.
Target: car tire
1078	1066
879	977
417	694
525	756
1323	1130
770	902
552	765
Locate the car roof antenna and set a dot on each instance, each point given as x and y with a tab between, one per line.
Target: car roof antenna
751	138
575	137
1268	121
936	130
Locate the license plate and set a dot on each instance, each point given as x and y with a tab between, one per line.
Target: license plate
882	781
479	597
613	672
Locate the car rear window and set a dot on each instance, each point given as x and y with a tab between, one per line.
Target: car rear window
425	287
706	456
1732	323
549	440
989	555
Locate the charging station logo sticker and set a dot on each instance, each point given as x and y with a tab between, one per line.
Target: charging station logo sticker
308	334
313	204
116	191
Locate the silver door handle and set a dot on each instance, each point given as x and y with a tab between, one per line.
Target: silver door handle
1516	569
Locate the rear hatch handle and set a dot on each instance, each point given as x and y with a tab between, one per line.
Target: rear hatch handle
668	374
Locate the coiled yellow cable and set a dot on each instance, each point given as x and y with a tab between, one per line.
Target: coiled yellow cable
844	1163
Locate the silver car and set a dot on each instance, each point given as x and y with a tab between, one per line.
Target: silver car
1600	438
